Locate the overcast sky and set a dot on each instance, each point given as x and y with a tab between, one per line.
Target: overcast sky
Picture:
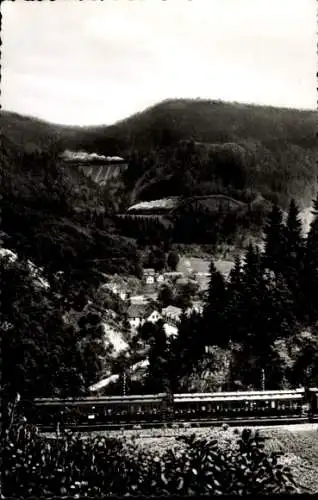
96	62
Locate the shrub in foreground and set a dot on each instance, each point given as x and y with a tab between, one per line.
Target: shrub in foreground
33	465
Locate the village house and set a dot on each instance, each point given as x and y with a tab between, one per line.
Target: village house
172	275
137	314
172	314
160	278
197	306
138	299
146	297
202	279
209	349
142	312
117	289
149	276
154	317
150	296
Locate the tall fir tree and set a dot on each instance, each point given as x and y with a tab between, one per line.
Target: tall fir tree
278	309
252	315
274	241
252	271
214	316
234	302
310	271
188	347
235	277
157	376
294	241
294	256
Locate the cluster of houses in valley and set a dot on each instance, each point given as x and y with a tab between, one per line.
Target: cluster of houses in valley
138	314
142	306
141	311
141	296
153	280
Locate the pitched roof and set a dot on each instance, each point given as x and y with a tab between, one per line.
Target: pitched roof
138	299
153	311
172	310
139	310
149	270
172	274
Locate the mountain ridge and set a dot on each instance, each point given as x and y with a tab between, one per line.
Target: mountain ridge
271	149
168	101
176	105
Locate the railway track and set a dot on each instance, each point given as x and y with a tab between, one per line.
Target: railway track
237	422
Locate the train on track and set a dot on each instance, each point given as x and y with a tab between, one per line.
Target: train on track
161	408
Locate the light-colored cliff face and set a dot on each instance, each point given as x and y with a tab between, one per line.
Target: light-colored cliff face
105	173
101	169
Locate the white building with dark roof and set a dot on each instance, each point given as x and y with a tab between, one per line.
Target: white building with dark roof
149	276
137	314
154	316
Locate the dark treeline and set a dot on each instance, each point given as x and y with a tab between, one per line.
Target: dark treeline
264	317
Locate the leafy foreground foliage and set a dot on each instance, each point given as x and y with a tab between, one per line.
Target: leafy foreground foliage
73	466
299	447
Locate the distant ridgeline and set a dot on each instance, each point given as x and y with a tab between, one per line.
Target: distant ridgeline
101	169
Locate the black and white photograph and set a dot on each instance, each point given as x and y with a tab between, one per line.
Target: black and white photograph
159	248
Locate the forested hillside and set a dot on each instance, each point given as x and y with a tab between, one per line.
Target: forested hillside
262	319
63	241
208	121
196	146
55	220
